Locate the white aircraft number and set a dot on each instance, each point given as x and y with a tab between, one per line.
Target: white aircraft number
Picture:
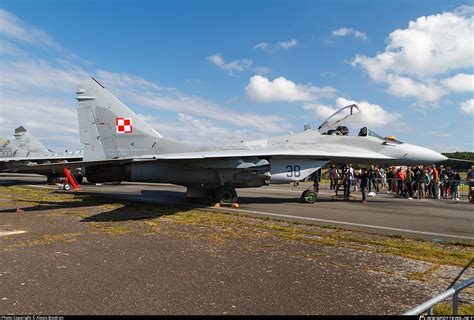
7	154
293	171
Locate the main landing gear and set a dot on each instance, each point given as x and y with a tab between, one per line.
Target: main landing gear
52	179
225	194
221	195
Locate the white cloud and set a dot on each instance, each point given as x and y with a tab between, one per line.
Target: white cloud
430	45
287	44
460	82
198	131
139	91
39	93
231	67
438	133
468	106
52	120
26	75
14	28
262	45
281	89
371	115
464	11
406	87
268	47
342	32
427	48
261	70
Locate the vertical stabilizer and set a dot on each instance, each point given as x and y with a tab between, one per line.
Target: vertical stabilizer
6	150
109	129
27	144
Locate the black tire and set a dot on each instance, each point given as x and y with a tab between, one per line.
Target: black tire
303	195
309	196
79	179
52	179
225	194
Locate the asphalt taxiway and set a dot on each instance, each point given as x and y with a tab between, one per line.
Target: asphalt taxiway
427	219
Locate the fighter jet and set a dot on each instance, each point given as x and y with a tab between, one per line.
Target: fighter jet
26	151
120	146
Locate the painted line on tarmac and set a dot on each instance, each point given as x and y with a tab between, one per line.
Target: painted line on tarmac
10	233
279	215
349	223
262	190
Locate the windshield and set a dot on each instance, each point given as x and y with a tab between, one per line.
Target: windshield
338	118
373	134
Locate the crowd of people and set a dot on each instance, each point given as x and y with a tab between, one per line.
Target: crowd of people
421	182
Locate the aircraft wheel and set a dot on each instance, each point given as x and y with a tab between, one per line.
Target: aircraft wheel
225	194
79	179
51	179
67	187
303	195
309	196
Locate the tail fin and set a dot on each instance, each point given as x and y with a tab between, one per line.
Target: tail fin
5	148
26	143
109	129
4	142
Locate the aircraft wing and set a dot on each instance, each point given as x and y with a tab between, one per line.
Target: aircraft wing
355	155
41	159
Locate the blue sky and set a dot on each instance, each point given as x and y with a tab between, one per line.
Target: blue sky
213	72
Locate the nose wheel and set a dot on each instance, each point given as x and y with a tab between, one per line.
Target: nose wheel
309	196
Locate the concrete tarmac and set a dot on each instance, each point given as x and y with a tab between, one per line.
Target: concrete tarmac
427	219
84	256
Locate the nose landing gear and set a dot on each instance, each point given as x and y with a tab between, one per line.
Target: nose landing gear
310	195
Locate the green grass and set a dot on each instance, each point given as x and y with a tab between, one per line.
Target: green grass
48	238
446	308
110	229
229	225
423	276
220	226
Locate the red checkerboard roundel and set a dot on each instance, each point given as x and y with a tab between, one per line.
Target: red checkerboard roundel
124	125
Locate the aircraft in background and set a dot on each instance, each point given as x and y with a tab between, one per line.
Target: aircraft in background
26	151
120	146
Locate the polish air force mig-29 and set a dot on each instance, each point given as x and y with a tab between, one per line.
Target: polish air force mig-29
22	155
120	146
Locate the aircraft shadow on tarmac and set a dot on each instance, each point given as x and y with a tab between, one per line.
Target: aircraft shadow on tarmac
179	196
130	210
7	183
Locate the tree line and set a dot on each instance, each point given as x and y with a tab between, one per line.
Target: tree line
459	165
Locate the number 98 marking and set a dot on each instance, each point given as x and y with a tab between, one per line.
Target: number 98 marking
293	171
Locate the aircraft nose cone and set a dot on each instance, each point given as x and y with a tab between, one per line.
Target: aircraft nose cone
424	155
441	158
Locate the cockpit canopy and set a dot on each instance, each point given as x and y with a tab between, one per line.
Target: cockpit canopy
333	125
339	117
